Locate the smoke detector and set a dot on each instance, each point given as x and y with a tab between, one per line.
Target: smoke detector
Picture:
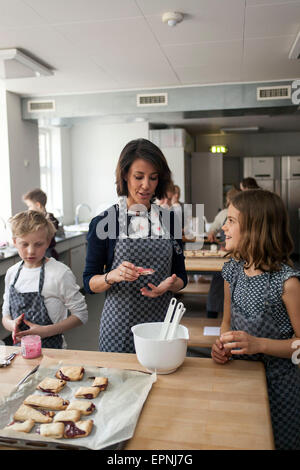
172	18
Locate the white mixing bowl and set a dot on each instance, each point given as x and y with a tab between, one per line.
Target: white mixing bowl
160	356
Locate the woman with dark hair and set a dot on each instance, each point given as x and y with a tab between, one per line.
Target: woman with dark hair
249	183
132	242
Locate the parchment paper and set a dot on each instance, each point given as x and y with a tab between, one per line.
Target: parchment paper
117	408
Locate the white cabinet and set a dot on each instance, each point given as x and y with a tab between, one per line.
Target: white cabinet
77	262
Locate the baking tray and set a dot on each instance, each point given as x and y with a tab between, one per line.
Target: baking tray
115	418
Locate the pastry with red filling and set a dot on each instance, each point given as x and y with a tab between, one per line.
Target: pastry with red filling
26	426
87	392
50	385
47	402
85	407
53	430
79	429
101	383
67	416
70	373
25	412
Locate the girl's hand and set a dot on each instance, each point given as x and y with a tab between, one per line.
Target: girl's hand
124	272
219	354
163	287
245	343
34	329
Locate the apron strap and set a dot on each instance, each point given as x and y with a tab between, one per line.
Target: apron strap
42	276
18	273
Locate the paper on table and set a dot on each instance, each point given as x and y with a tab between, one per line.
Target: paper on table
117	409
211	331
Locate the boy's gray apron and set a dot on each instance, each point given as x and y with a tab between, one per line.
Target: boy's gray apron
283	377
33	306
125	306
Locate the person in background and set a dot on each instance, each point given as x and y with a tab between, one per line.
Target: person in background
36	200
249	183
220	218
40	291
215	297
175	201
126	240
261	320
166	202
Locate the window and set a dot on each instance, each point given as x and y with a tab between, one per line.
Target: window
45	165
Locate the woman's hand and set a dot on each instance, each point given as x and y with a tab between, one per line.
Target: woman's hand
219	354
124	272
163	287
17	322
34	329
245	343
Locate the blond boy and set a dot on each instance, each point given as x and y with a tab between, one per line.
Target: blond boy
40	291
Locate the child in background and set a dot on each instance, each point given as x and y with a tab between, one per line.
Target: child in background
36	200
262	304
40	291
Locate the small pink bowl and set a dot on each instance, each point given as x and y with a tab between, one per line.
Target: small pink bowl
31	346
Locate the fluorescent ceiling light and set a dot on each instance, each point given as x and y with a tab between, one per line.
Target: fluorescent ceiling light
229	130
295	49
16	64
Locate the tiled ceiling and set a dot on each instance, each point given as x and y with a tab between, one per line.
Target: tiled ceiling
100	45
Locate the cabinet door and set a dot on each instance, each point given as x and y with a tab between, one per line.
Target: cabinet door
77	261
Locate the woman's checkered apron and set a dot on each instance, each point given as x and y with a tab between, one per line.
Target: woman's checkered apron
125	306
33	306
283	377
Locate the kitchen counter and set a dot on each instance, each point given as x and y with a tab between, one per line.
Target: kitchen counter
202	405
9	256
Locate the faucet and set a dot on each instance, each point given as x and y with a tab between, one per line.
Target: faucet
77	212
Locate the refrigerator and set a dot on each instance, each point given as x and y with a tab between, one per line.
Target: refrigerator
265	170
290	193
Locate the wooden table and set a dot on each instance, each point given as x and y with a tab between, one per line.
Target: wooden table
200	264
196	326
202	405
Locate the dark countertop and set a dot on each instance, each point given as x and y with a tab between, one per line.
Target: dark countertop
11	252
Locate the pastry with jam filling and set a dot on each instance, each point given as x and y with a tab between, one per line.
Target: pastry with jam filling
70	373
67	416
85	407
53	430
26	426
49	385
47	402
100	382
87	392
79	429
25	413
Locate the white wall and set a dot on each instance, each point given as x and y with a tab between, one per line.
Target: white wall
96	148
176	161
19	155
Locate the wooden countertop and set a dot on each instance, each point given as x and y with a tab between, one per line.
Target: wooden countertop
204	264
202	405
196	327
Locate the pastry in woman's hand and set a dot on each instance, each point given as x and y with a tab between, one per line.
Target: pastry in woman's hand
50	385
87	392
53	430
26	426
25	412
47	402
79	429
85	407
70	373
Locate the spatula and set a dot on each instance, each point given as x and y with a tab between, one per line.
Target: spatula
176	319
165	326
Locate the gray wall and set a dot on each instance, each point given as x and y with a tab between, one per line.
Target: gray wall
246	145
